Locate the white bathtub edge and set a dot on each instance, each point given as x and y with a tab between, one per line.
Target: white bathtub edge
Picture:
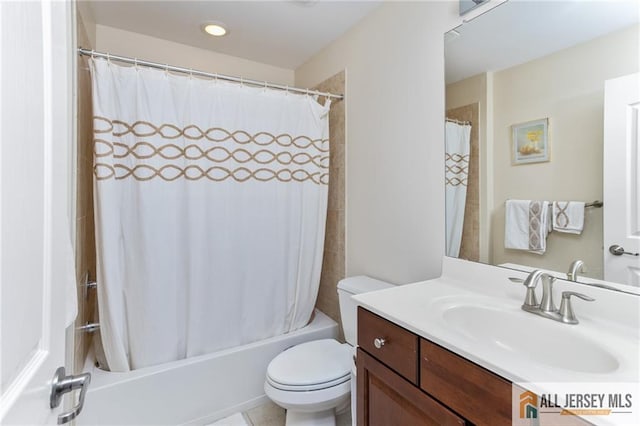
189	392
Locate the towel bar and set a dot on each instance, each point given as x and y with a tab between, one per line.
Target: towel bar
89	327
596	204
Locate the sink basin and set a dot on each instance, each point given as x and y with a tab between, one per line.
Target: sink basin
530	337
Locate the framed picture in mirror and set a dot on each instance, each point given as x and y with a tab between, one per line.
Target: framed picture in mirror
530	142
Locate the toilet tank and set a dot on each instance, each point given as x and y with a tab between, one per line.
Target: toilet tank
347	287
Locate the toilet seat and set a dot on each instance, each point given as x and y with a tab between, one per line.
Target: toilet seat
311	366
305	388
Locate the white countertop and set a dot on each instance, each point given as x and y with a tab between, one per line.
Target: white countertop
611	322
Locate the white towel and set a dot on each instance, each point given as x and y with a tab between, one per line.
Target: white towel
568	216
526	225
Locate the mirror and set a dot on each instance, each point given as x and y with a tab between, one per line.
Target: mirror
469	5
537	70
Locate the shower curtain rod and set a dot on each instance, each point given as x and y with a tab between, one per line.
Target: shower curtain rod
135	61
453	120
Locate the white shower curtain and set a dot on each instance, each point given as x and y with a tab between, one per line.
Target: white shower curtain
457	145
210	205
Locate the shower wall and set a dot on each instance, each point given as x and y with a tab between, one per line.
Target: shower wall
333	265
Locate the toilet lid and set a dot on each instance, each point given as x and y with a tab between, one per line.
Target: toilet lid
312	363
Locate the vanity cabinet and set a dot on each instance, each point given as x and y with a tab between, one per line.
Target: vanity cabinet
406	380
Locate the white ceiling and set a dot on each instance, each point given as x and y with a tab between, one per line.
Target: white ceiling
279	33
519	31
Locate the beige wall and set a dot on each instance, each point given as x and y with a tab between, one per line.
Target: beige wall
469	91
567	87
126	43
86	20
394	148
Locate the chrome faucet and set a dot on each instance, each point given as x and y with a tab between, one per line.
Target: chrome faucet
547	305
547	308
576	266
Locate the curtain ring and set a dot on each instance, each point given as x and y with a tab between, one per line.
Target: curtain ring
108	58
241	81
92	53
166	69
190	72
287	90
135	63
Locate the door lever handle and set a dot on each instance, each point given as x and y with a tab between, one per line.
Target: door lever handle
617	250
62	384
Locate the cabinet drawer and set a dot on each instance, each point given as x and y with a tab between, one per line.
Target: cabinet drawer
400	348
475	393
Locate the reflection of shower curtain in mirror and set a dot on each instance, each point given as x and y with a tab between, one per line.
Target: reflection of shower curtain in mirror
211	202
457	147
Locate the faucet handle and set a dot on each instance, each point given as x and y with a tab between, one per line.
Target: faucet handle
566	310
530	300
568	294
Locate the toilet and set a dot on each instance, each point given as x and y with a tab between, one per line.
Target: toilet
313	379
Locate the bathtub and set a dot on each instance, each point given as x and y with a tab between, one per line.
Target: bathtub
193	391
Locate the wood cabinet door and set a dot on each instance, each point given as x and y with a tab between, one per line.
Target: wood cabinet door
386	399
481	396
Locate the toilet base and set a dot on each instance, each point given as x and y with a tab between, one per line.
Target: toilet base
318	418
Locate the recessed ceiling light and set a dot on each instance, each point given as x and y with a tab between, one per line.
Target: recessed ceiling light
216	29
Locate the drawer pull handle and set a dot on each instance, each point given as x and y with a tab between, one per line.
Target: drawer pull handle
379	342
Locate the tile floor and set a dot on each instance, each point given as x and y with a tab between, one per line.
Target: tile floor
270	414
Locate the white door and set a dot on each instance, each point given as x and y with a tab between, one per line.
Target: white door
35	204
622	179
